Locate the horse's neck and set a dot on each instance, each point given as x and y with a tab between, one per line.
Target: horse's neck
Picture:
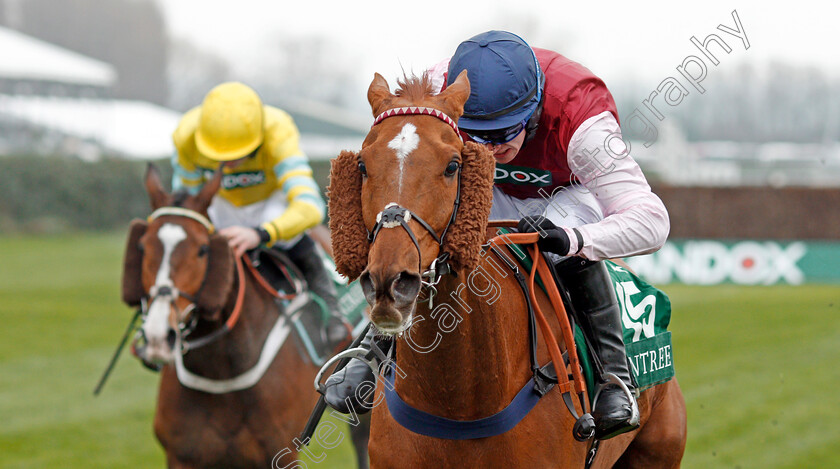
472	369
239	349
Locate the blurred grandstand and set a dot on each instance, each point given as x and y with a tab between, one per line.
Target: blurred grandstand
674	160
742	178
54	101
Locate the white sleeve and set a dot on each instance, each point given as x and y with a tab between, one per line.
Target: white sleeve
437	73
635	219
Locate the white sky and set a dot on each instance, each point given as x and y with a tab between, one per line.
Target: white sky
614	39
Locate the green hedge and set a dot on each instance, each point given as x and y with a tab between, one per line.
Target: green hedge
54	194
48	194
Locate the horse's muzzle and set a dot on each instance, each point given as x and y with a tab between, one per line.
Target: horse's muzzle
155	353
392	300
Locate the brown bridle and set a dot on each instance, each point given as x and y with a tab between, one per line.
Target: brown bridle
186	320
394	215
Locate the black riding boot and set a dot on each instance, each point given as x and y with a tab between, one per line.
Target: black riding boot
341	386
594	301
307	258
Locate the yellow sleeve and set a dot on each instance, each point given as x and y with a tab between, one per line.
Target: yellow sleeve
306	207
298	217
185	174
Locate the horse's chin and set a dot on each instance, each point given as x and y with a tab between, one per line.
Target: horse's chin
391	321
160	355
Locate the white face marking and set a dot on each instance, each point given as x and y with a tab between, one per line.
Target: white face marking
170	235
404	143
156	326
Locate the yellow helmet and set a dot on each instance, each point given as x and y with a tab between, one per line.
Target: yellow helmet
231	122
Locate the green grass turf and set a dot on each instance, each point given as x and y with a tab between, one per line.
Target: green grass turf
756	364
61	320
758	369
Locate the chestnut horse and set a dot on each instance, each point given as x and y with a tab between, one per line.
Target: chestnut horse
239	390
423	196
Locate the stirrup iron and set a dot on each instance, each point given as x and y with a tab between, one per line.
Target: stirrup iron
359	353
634	406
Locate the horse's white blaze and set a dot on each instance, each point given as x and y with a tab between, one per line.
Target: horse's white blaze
156	326
404	143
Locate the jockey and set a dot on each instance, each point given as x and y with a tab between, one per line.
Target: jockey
268	196
564	171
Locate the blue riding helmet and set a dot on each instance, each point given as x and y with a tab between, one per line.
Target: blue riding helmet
505	80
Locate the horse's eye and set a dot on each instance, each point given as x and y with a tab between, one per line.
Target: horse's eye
362	168
203	249
451	168
140	247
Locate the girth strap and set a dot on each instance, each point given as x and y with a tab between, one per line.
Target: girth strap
427	424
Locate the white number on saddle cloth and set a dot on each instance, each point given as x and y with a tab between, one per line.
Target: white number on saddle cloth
632	314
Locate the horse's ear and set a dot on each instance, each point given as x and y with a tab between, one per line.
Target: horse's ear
466	235
347	225
132	285
455	95
378	94
157	195
218	280
205	196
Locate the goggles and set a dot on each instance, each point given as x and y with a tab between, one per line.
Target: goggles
233	163
253	153
495	136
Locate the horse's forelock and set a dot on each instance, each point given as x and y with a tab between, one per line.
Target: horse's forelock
184	199
414	88
421	91
179	197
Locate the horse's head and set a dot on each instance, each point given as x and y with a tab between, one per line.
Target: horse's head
175	266
413	194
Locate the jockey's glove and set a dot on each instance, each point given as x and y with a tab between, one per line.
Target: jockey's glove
552	238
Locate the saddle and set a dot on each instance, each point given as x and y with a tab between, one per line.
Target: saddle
277	270
281	274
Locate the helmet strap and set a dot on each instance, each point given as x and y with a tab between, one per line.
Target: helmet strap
534	121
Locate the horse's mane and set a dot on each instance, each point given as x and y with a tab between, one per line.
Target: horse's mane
415	88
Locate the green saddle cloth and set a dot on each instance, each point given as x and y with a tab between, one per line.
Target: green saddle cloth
645	315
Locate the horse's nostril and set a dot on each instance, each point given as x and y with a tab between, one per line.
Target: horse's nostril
406	287
170	338
368	288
